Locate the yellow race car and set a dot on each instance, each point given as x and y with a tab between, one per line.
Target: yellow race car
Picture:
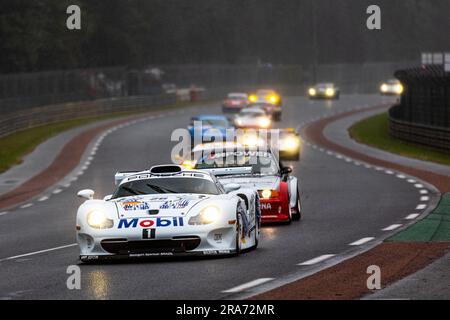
265	95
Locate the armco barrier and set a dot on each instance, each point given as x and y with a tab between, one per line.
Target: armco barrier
436	137
38	116
423	114
33	117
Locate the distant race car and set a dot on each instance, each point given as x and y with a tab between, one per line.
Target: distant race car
289	144
257	169
271	109
255	118
265	95
168	211
324	91
212	126
391	87
234	102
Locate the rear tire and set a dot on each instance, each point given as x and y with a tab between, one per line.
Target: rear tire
238	234
298	215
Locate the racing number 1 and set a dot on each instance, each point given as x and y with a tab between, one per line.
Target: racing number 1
148	233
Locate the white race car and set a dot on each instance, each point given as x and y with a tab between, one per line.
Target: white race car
168	211
253	118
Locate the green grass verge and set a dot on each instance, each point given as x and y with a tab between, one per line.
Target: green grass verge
434	227
374	131
15	146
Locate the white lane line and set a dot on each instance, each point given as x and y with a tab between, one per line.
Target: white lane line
26	206
423	191
392	227
418	185
400	176
367	166
38	252
421	206
247	285
44	198
361	241
389	172
56	191
412	216
3	213
67	185
411	181
424	198
316	260
379	168
339	156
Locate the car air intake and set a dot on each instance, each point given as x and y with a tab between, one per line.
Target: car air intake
166	169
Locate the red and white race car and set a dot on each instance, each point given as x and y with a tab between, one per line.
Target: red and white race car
256	169
235	102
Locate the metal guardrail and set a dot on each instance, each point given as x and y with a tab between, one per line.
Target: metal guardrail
38	116
431	136
423	115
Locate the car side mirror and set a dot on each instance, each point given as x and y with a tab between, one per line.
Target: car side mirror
108	197
231	187
286	170
86	194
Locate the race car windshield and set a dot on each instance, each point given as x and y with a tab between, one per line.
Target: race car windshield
166	185
253	114
215	123
261	162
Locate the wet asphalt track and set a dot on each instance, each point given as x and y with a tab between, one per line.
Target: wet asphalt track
341	204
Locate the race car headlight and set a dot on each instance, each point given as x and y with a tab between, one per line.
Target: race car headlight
312	91
399	88
290	143
273	99
206	216
253	98
97	219
329	92
384	87
264	122
268	193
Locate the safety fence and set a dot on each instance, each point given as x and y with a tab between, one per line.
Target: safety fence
423	114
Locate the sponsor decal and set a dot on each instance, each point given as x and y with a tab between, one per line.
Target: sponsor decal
249	153
218	237
175	204
134	205
148	223
266	206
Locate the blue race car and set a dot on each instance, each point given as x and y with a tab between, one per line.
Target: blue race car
209	127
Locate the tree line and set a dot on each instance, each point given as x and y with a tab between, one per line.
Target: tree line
136	33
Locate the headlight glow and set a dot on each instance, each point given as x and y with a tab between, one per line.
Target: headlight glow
253	98
384	87
264	122
312	91
273	99
329	92
97	219
399	88
208	215
188	164
266	193
290	143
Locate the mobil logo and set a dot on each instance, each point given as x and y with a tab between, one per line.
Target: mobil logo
147	223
